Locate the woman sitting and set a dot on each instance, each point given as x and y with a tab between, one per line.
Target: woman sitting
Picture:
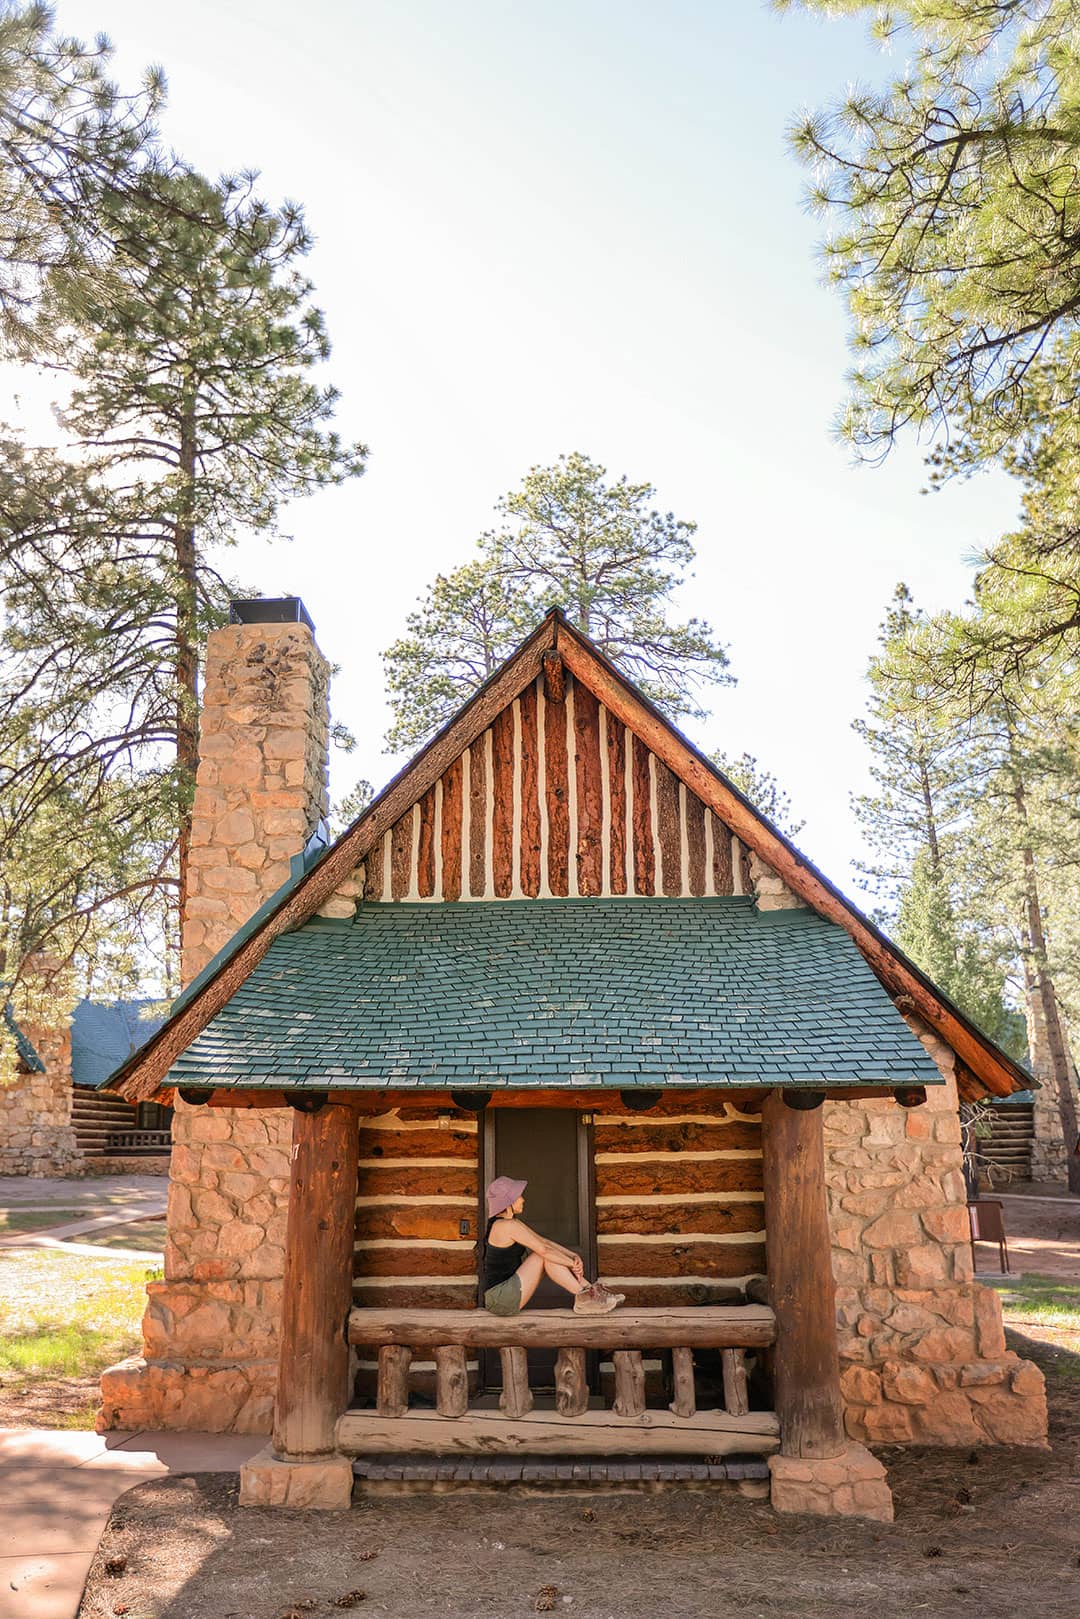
515	1257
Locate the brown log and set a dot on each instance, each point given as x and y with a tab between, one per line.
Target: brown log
716	1326
377	1100
313	1364
590	797
425	857
392	1392
441	1180
373	874
710	1218
412	1220
417	1144
554	677
516	1398
629	1383
682	1368
530	794
695	839
594	1433
806	1370
679	1174
451	831
745	879
479	816
401	842
669	830
451	1381
616	746
708	1136
736	1400
675	1258
416	1259
722	880
557	795
379	1294
658	1293
571	1383
641	821
502	803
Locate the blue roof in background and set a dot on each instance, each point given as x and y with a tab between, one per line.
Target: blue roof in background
24	1047
102	1037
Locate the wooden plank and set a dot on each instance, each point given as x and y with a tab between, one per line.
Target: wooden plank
557	798
655	1293
677	1174
641	820
392	1390
401	841
432	1143
377	1099
502	803
682	1367
529	834
516	1398
379	1293
675	1258
710	1327
669	830
571	1383
629	1382
546	1433
425	858
654	1218
451	831
708	1136
313	1365
441	1180
411	1220
451	1381
415	1259
479	817
695	841
736	1398
721	859
590	798
373	875
616	747
806	1369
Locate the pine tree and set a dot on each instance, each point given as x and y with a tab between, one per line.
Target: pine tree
568	539
761	787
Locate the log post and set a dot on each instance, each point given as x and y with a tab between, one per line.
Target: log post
736	1397
682	1369
313	1366
516	1398
571	1387
451	1381
629	1382
392	1389
801	1289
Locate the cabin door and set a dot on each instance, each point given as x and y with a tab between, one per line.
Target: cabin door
551	1149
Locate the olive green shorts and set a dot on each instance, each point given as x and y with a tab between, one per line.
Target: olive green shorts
504	1299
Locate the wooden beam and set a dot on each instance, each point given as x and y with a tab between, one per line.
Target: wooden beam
516	1398
313	1364
392	1386
629	1383
571	1383
546	1433
371	1099
451	1380
717	1326
806	1367
682	1365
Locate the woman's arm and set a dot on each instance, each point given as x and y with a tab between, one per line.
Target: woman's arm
543	1246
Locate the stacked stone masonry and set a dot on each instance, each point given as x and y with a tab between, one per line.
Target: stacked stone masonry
36	1134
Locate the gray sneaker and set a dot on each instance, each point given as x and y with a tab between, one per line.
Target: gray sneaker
596	1300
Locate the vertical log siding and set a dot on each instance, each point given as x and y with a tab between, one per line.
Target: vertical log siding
557	799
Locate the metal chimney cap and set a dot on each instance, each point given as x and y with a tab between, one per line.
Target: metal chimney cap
270	610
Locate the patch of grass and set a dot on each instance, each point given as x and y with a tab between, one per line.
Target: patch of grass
1044	1301
66	1315
12	1220
145	1236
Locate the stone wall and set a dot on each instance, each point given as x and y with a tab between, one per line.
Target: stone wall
36	1134
210	1330
922	1345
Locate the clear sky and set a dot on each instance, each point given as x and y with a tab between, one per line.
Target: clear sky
573	226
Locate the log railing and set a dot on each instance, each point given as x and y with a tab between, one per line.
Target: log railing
573	1425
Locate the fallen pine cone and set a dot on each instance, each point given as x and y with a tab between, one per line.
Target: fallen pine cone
115	1566
546	1598
932	1551
365	1557
588	1516
351	1599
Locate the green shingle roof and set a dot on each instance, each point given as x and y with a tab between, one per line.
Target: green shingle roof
550	993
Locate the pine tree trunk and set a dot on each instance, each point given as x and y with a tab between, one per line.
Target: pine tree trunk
187	657
1042	985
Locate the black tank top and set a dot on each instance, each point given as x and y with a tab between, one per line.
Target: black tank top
500	1263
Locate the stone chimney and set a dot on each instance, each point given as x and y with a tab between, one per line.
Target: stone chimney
210	1330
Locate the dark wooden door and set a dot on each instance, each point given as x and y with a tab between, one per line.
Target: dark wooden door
549	1148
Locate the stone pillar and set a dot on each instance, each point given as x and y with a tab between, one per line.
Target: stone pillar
211	1327
922	1346
36	1134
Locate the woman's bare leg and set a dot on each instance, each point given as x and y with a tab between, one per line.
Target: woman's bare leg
563	1276
529	1273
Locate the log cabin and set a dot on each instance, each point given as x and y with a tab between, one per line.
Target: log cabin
558	945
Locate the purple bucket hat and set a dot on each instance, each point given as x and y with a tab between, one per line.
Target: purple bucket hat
503	1191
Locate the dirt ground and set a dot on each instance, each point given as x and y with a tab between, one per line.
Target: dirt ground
1043	1235
988	1534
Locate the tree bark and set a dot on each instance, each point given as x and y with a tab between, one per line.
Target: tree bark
187	655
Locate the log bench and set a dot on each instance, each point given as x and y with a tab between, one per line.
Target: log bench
572	1427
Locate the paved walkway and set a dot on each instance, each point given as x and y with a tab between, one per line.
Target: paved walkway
57	1489
99	1194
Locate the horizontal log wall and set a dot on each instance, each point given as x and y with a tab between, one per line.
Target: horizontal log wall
679	1209
556	799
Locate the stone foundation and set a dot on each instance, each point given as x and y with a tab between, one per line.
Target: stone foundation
324	1483
213	1397
849	1486
36	1133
